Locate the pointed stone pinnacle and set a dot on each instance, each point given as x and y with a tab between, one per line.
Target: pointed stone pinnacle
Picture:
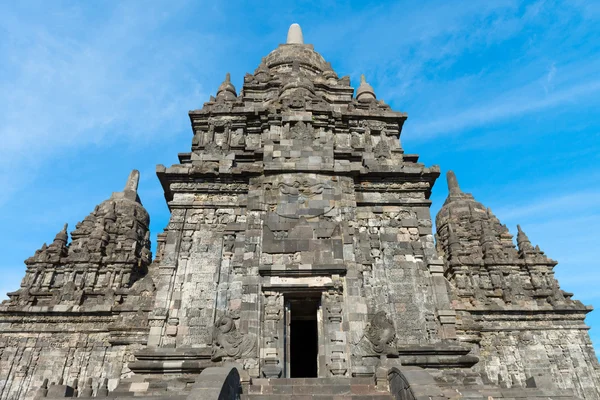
132	181
523	241
295	35
226	89
453	187
365	91
62	236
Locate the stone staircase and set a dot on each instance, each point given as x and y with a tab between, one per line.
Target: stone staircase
314	388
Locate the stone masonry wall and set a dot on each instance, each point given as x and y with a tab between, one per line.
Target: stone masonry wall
509	306
29	357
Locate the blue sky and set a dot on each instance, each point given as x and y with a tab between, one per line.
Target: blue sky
505	93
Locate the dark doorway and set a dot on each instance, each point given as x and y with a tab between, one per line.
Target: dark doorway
304	343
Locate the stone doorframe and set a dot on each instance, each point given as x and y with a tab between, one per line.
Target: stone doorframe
333	351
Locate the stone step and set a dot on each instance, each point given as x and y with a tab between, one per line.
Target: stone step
314	381
317	397
314	388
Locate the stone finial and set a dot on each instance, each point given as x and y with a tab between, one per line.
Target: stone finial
59	245
365	91
453	187
294	35
132	181
130	190
226	90
62	236
523	241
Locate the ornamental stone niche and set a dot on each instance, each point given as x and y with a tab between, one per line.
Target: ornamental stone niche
299	246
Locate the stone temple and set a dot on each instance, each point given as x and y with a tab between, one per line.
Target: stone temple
299	262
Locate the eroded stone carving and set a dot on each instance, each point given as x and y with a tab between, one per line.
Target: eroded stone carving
273	309
379	337
229	342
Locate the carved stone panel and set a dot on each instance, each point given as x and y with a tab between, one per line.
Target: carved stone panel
272	341
303	231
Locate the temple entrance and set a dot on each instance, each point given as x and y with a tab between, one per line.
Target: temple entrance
302	337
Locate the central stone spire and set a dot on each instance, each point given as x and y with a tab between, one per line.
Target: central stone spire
295	35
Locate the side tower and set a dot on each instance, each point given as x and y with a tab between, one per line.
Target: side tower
81	309
300	241
510	308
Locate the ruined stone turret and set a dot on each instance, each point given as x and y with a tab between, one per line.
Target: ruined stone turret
500	289
109	250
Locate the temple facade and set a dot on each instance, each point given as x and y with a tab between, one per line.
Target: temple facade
301	254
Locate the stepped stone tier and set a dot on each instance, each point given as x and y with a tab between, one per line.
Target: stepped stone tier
299	261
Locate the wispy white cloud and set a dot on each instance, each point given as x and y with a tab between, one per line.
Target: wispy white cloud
509	107
404	49
585	200
550	77
87	83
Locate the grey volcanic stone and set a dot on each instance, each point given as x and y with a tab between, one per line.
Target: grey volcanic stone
295	191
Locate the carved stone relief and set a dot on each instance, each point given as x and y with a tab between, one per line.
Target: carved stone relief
379	337
229	342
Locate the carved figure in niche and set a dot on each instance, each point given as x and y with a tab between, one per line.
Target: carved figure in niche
526	338
296	101
272	307
356	140
302	131
228	243
186	244
227	341
237	138
382	150
379	337
69	293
